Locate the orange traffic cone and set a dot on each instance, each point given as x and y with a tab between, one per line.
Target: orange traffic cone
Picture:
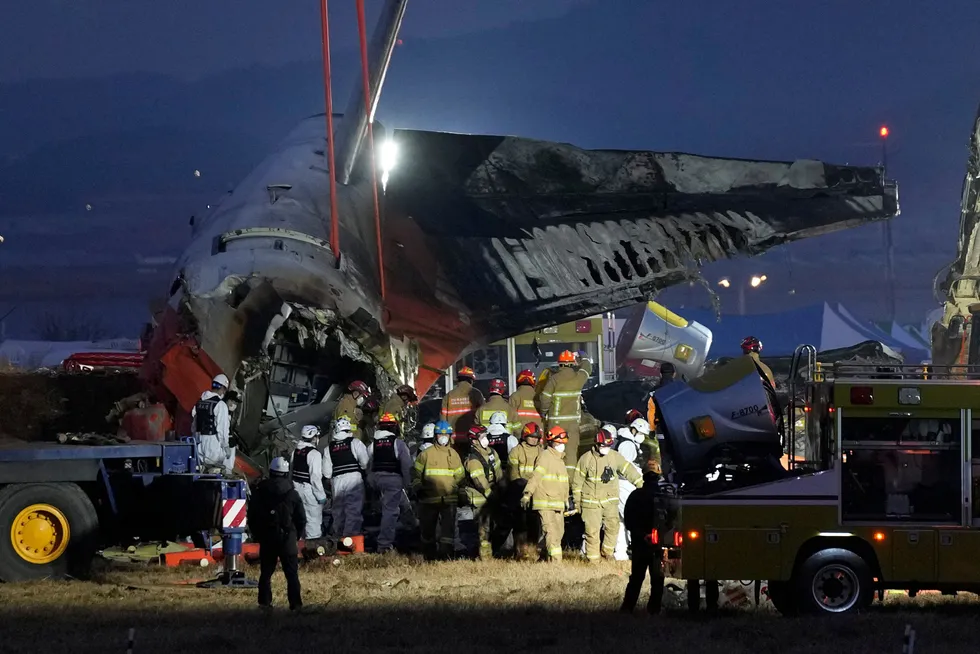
358	544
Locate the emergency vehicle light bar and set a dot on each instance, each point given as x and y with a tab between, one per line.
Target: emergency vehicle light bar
862	395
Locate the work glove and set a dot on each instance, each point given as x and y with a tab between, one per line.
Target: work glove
570	513
525	501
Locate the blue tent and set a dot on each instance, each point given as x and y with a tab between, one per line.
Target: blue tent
820	325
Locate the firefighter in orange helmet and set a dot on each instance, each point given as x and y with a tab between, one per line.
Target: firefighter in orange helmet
521	463
561	400
522	400
460	404
547	491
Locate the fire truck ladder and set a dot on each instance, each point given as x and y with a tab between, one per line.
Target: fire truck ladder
789	426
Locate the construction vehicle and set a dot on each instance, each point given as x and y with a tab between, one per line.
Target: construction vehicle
880	496
61	503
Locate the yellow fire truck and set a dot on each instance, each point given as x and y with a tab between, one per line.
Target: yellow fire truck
881	497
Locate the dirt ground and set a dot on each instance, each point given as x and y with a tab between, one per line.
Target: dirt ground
393	604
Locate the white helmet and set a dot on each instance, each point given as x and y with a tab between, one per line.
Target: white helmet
627	435
220	380
497	429
498	418
310	432
641	426
279	465
342	428
429	431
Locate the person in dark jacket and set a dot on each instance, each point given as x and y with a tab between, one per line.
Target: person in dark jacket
277	520
646	511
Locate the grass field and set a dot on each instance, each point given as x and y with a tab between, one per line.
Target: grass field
393	604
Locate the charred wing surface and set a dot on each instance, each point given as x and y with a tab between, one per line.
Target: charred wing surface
533	232
960	285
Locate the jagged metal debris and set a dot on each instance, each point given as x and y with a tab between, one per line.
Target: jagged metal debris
531	233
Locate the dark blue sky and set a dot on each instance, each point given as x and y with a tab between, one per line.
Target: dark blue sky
750	79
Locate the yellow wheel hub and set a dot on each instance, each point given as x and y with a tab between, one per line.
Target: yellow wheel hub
40	534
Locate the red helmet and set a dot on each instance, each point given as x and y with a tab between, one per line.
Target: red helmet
497	386
465	373
557	435
632	415
526	378
531	430
566	357
751	344
606	436
359	387
476	431
407	392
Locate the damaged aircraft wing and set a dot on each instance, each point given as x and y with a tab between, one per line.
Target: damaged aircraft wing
507	235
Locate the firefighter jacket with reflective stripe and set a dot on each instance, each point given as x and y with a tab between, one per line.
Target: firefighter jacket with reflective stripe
461	402
301	466
522	461
595	481
522	401
561	398
437	474
342	459
548	486
383	457
494	404
483	474
347	406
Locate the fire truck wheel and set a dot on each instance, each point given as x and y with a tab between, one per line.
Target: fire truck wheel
833	580
46	530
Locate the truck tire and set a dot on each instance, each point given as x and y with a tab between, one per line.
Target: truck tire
46	531
833	580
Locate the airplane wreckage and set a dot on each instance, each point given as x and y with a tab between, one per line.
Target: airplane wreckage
467	239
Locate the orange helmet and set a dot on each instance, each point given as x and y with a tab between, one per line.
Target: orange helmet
557	435
526	378
531	430
465	373
566	357
497	386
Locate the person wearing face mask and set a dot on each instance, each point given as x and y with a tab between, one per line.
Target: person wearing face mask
628	443
436	476
522	460
595	492
344	466
547	492
350	404
428	437
481	486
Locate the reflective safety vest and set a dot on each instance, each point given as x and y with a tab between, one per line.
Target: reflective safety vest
437	474
461	403
561	399
342	458
482	473
384	458
595	481
301	467
548	486
522	461
205	422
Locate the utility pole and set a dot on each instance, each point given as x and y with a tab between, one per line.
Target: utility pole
889	247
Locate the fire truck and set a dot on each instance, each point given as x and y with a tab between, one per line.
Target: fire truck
878	492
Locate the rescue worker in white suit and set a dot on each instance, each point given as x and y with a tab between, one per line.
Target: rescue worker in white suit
428	438
345	466
389	471
628	440
308	480
212	427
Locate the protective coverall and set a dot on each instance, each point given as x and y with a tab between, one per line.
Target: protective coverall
276	518
646	511
212	426
629	450
436	476
595	492
494	404
561	404
344	466
481	488
347	406
548	493
390	471
308	481
522	401
522	460
459	406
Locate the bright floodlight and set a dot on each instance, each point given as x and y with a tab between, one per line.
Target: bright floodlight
757	280
883	131
724	283
389	155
